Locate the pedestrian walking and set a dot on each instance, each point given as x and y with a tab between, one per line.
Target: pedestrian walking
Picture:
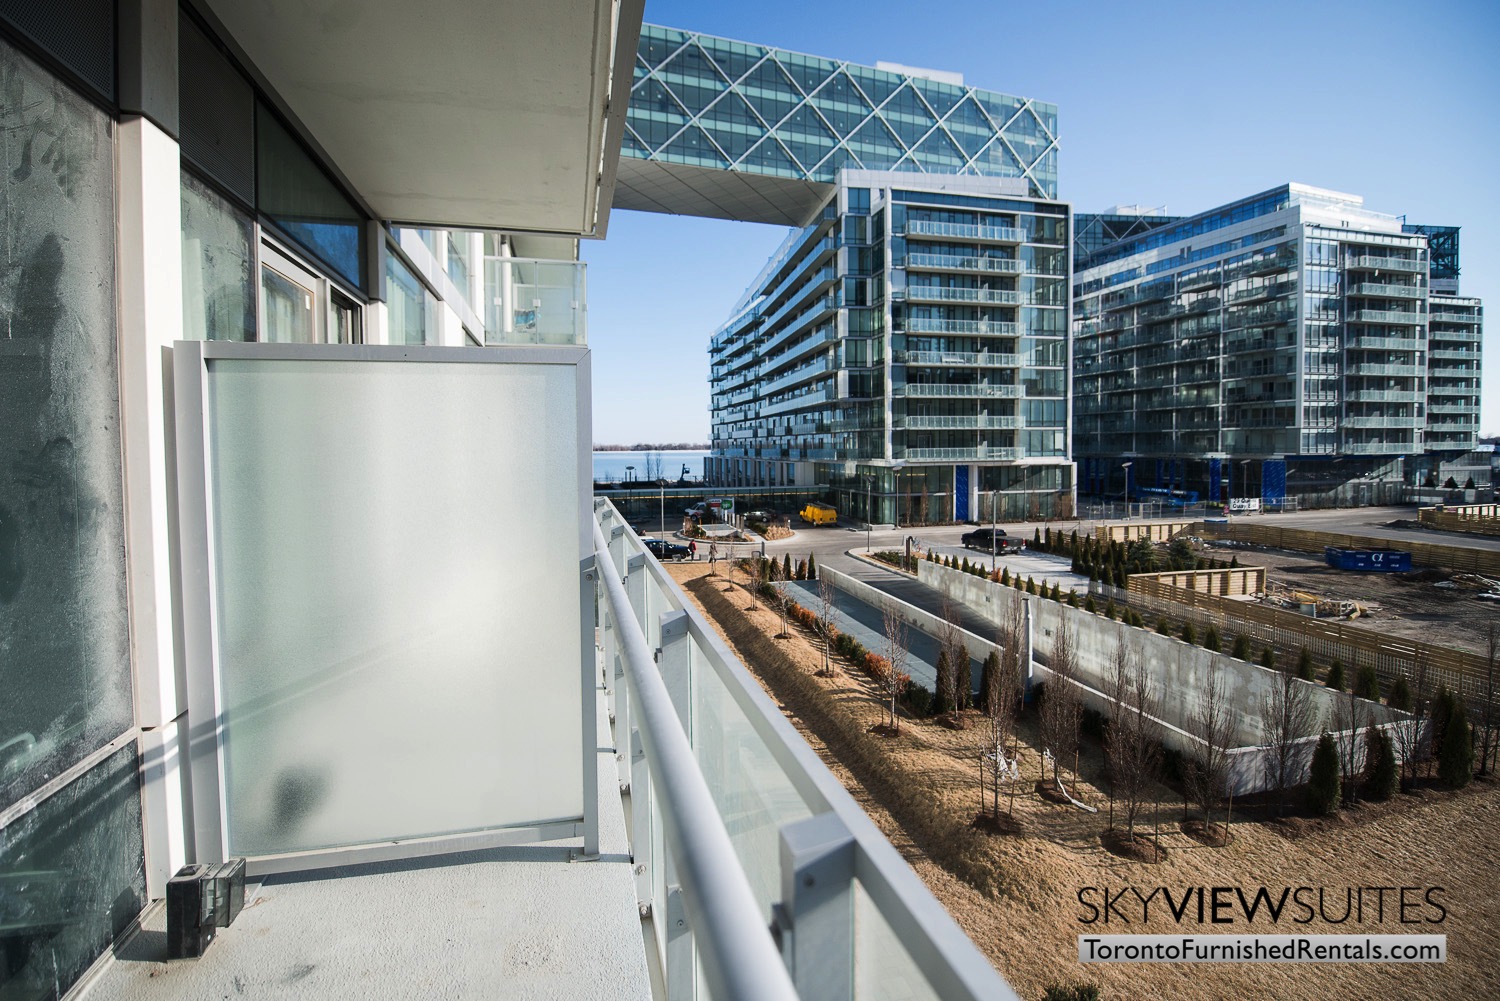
693	548
713	556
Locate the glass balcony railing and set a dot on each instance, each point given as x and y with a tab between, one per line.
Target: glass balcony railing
957	389
1388	316
965	231
977	454
534	301
1386	291
1385	264
923	422
936	293
962	359
950	262
925	325
780	885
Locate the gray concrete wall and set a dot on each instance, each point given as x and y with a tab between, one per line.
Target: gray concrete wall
1179	670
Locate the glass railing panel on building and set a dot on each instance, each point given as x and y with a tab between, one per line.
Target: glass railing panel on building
764	782
534	301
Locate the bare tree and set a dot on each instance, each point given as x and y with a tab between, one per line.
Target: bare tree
1212	722
1491	654
653	467
1287	716
1350	718
896	677
755	575
826	606
1062	711
950	639
1133	745
1410	735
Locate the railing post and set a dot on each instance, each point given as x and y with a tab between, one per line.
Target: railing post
617	548
815	919
635	587
681	971
675	666
589	681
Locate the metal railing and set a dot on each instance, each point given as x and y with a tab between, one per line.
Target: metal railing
749	853
1003	265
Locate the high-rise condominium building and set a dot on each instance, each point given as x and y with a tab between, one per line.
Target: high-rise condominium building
907	344
1293	343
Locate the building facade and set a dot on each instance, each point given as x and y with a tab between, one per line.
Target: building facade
909	349
1281	345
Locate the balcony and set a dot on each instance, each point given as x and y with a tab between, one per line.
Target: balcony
961	359
1445	316
1386	264
945	389
1396	316
534	301
922	422
1383	396
1386	291
963	231
935	293
949	262
1378	448
981	453
1360	368
1368	342
1393	421
924	325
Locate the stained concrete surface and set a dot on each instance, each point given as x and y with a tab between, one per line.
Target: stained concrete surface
519	922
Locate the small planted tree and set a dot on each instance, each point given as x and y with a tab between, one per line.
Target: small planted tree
896	678
942	700
1211	639
1163	626
1189	634
812	567
1382	779
786	566
825	599
1241	648
801	573
1062	711
1132	746
1456	754
1335	678
1305	664
1268	658
1400	696
1323	785
1367	684
1212	722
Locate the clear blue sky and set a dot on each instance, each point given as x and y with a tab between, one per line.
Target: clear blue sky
1182	104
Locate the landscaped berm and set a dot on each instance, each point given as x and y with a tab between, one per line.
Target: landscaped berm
1015	886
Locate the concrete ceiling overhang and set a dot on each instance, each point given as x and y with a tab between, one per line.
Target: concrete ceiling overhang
474	114
679	189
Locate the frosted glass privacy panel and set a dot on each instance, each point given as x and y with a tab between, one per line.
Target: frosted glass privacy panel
396	598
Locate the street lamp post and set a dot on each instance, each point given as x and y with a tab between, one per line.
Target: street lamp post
1126	466
629	473
663	488
993	525
1245	475
869	507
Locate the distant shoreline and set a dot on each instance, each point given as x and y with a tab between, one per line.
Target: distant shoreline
675	446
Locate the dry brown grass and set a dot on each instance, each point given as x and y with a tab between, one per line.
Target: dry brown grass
1015	893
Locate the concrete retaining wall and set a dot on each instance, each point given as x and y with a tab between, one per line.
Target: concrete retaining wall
1178	669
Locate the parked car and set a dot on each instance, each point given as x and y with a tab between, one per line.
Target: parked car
983	539
764	514
666	551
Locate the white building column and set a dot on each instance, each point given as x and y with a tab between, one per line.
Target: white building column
150	302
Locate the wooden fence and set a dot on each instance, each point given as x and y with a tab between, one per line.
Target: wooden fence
1156	531
1456	559
1228	581
1476	519
1327	639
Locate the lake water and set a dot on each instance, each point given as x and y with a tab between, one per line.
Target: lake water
610	466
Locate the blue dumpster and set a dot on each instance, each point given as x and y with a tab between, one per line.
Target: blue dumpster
1377	560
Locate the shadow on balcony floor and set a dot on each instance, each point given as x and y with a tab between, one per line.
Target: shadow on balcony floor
513	922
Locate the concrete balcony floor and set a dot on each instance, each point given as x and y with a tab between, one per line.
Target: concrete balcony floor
518	922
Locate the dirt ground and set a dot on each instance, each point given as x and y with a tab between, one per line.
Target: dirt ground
1407	604
1017	895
